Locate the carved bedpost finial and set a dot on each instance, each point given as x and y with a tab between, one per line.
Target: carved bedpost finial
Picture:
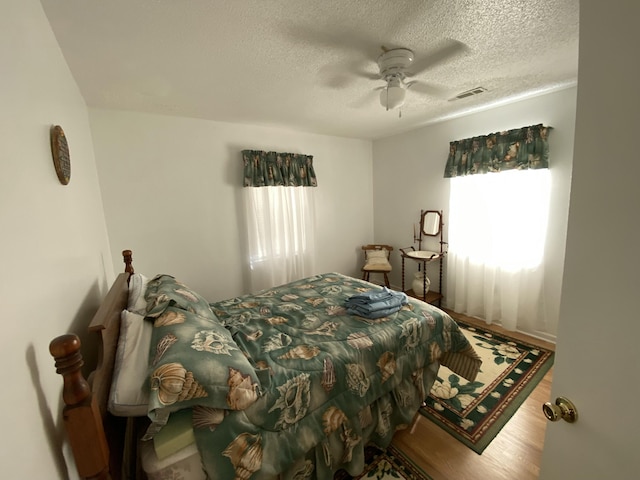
66	351
128	261
81	414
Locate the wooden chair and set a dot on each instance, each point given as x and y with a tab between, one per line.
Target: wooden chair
376	261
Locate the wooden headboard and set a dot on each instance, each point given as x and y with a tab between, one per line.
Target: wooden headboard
97	438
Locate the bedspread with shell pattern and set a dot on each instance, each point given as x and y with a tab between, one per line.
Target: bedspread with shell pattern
323	382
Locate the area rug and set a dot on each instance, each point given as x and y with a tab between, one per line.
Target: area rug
388	464
474	412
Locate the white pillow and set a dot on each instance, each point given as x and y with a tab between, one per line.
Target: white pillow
376	257
137	288
129	395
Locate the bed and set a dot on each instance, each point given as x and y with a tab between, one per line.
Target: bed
281	384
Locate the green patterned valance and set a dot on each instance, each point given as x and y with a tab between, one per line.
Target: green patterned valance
517	149
268	169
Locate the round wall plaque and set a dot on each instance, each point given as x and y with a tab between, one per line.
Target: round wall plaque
60	151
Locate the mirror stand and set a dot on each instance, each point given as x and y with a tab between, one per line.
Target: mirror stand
431	225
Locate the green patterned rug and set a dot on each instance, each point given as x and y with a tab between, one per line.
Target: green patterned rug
389	464
474	412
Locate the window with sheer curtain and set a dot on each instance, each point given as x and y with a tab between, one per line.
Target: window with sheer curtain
280	214
497	227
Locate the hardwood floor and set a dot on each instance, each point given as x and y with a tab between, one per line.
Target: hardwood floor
514	454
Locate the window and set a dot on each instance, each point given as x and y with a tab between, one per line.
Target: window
497	231
280	222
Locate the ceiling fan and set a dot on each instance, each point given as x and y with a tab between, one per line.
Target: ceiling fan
393	66
397	65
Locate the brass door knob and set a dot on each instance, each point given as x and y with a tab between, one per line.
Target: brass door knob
563	409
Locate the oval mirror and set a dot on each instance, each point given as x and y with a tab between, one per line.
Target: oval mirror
431	222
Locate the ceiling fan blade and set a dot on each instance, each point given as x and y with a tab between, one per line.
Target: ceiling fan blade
450	49
365	99
338	81
333	77
341	74
349	41
428	89
365	74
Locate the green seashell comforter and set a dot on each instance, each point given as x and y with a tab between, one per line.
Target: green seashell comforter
287	383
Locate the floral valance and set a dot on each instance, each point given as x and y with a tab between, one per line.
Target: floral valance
517	149
267	169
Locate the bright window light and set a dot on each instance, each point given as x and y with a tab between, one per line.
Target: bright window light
279	222
500	219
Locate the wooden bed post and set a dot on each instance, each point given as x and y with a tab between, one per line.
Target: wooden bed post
128	261
81	414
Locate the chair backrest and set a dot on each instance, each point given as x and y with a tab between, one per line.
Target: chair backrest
379	247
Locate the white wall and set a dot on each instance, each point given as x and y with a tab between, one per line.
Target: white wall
172	193
408	176
55	254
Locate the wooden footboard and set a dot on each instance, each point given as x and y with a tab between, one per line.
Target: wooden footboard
96	437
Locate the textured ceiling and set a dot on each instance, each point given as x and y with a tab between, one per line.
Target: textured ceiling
293	63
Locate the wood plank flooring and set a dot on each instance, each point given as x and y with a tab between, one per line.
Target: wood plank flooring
514	454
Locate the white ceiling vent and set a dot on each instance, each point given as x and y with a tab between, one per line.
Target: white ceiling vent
469	93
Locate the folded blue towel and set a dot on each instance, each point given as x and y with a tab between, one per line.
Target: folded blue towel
376	303
372	296
377	314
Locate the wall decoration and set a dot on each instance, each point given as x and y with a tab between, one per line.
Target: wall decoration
60	152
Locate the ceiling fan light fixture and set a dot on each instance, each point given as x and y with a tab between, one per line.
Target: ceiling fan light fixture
392	97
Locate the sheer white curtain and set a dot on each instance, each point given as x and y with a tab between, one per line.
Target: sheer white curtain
280	223
497	231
